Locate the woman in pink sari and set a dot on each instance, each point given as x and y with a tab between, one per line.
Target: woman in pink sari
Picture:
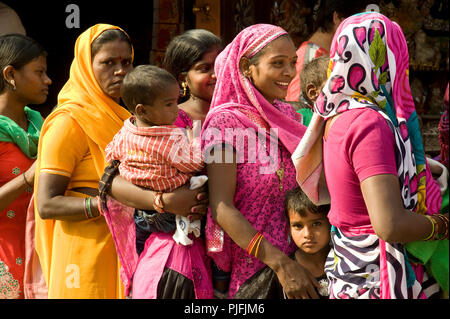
248	137
384	201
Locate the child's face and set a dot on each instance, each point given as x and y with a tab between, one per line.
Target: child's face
164	110
311	233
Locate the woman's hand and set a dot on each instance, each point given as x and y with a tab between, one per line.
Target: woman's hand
182	201
297	282
186	202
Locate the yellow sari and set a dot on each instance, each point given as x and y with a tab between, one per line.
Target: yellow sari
78	259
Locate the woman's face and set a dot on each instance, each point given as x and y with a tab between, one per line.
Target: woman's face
110	65
275	69
32	81
201	78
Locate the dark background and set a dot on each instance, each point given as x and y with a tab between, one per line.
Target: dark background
45	21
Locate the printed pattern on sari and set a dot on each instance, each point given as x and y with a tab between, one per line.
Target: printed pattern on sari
365	267
9	286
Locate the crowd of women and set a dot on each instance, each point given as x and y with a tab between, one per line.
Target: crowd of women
72	227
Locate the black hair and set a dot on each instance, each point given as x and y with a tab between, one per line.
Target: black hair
187	49
314	72
296	200
17	50
344	9
144	84
106	37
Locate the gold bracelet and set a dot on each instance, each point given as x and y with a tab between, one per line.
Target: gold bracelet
26	182
444	220
434	224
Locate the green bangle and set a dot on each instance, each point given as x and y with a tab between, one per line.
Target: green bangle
88	207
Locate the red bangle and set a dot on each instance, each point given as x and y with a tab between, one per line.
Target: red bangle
99	206
158	203
257	238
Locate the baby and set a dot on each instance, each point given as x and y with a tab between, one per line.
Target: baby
312	80
153	152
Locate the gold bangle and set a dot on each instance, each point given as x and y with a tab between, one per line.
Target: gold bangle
26	182
444	220
433	224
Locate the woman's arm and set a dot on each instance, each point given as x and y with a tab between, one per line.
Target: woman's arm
10	191
390	220
181	201
296	281
52	204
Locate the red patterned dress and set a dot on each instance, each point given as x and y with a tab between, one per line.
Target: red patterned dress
12	223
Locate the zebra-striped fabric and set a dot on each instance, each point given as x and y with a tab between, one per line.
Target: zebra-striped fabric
358	267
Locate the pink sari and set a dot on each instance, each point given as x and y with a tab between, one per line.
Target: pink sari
237	105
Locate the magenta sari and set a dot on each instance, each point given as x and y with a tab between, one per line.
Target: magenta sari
239	108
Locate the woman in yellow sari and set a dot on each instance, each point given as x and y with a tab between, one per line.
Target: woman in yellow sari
73	242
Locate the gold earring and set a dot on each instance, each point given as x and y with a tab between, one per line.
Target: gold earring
184	86
13	83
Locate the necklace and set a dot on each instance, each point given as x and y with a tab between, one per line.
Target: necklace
280	171
280	174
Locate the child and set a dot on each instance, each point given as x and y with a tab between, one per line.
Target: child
312	79
310	230
154	153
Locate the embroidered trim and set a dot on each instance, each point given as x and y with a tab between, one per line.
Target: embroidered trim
9	287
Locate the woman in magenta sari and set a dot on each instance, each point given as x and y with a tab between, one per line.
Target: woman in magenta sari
248	137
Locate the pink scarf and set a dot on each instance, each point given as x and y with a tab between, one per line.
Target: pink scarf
234	93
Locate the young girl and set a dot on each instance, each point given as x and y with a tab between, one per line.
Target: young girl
310	230
23	81
246	194
383	197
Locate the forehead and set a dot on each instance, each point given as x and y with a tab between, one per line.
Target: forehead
114	49
171	92
280	46
40	61
307	216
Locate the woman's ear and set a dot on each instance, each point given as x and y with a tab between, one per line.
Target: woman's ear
181	77
244	66
337	19
8	74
